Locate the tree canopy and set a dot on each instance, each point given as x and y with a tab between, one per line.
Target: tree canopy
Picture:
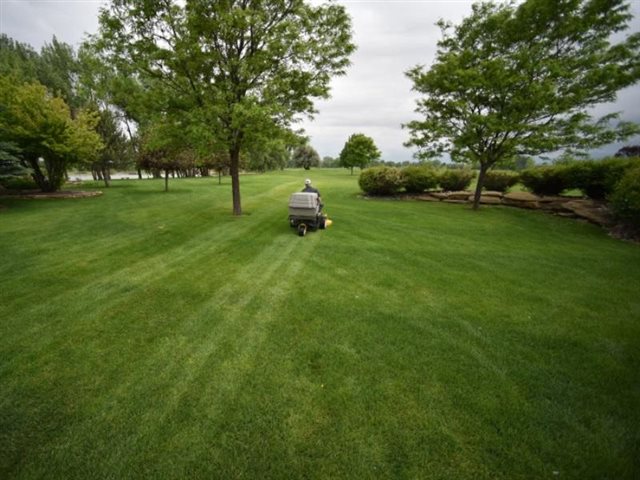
45	136
358	151
629	151
305	156
243	69
520	79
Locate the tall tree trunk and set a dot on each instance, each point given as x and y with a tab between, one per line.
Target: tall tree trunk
166	180
476	198
139	174
55	174
351	170
234	170
37	174
106	177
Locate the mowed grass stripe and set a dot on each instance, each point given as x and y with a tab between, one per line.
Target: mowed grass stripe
409	340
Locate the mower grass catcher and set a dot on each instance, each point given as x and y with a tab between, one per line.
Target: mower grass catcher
305	213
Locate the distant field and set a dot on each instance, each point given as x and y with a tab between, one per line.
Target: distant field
146	334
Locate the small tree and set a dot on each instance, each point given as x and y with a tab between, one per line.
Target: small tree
156	159
41	126
117	150
272	155
220	163
305	157
329	162
518	79
358	151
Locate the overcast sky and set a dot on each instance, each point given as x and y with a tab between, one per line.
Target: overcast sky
374	97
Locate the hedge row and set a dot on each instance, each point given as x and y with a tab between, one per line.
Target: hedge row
596	179
416	179
613	179
413	179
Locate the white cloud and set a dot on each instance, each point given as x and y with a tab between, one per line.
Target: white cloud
36	21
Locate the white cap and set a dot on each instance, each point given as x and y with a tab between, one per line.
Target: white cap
307	182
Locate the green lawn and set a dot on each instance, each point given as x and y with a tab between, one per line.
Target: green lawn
147	334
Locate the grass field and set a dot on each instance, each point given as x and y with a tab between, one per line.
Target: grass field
147	334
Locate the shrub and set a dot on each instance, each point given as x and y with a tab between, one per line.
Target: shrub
597	178
380	180
625	199
417	179
545	180
19	183
500	180
452	180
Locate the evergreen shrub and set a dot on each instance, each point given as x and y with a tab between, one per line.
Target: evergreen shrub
19	183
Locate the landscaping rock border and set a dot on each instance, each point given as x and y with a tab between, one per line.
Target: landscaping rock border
36	195
582	208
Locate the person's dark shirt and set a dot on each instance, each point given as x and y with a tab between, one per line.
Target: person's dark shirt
310	189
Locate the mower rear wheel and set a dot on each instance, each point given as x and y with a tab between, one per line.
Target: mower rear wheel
302	230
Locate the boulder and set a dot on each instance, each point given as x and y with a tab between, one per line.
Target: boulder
521	197
521	200
490	193
590	210
486	199
554	199
439	195
459	195
427	197
554	203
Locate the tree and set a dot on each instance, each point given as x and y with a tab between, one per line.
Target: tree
629	151
358	151
220	163
154	159
116	151
518	79
18	59
161	149
243	68
271	156
58	70
41	127
305	157
329	162
56	67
